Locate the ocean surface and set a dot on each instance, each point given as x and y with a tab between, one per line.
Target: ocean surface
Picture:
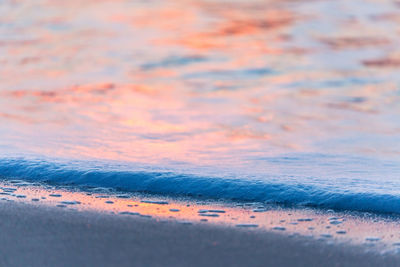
294	102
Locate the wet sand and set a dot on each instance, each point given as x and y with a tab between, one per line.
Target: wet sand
39	235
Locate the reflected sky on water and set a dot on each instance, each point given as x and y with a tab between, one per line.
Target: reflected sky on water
239	84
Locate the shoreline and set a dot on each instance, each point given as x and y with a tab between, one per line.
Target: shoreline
39	235
132	177
372	232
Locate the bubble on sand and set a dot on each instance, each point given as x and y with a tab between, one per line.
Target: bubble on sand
247	225
341	232
260	210
61	206
335	222
145	216
129	213
109	202
203	220
70	202
304	220
8	189
35	199
210	211
20	196
102	196
208	215
216	211
122	196
154	202
55	195
279	228
174	210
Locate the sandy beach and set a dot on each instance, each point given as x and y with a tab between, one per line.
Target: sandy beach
38	235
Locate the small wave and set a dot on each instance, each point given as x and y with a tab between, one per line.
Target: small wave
175	183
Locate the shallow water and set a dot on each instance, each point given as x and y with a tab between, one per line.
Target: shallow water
285	101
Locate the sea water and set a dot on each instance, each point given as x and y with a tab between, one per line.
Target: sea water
293	102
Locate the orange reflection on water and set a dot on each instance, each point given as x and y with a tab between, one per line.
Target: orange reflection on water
205	82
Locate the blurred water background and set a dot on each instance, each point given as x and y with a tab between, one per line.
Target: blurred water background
286	101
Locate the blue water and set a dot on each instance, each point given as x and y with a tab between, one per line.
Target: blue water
357	191
294	102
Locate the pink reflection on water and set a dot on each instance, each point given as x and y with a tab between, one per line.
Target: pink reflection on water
205	82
